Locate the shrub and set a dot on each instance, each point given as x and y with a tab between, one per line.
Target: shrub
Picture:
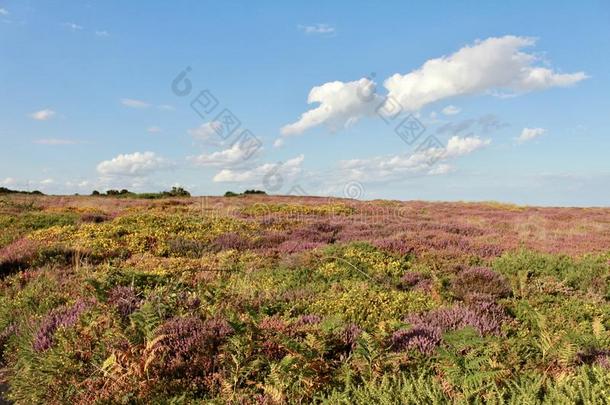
422	338
479	281
61	317
124	299
484	316
187	347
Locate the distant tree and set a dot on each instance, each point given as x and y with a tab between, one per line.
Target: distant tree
37	192
112	192
254	192
95	192
124	191
231	194
178	192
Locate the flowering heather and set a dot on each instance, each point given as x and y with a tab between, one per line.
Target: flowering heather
422	338
600	357
231	240
189	345
308	320
61	317
484	316
295	246
349	335
18	254
416	281
124	299
481	281
391	245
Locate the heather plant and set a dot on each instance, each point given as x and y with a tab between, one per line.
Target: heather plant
124	299
479	281
62	317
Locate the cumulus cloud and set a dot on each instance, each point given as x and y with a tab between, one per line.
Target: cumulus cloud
530	133
206	132
134	164
323	29
451	110
287	170
237	153
54	141
42	115
492	66
495	64
341	104
134	103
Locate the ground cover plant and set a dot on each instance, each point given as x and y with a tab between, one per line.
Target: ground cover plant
273	300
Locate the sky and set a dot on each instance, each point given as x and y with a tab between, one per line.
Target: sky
434	100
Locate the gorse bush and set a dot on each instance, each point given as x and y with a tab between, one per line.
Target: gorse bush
128	300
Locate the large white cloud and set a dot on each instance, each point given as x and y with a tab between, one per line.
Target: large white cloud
341	104
494	66
134	164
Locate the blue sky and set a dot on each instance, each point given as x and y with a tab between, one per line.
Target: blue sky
515	95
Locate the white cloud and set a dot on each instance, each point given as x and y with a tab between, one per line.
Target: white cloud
133	103
492	64
73	26
54	141
457	146
395	167
278	143
206	132
102	34
341	104
166	107
9	181
42	115
451	110
317	29
46	182
237	153
4	11
530	133
134	164
154	129
287	170
441	169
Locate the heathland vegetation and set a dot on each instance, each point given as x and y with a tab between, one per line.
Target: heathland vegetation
272	300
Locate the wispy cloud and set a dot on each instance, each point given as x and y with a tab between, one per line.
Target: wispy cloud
154	129
54	141
320	29
134	103
102	34
451	110
42	115
4	11
530	133
73	26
